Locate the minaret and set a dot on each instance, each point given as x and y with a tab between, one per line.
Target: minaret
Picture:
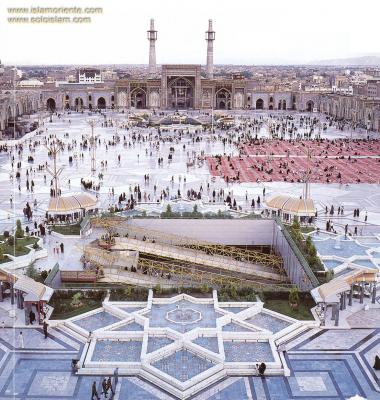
210	37
152	37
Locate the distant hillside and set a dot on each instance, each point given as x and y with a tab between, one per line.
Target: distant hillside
362	61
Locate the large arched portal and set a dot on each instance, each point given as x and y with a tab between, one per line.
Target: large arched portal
9	116
101	103
223	99
50	105
259	104
138	98
309	106
181	93
282	105
78	104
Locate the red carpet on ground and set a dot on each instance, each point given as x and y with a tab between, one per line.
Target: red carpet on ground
276	160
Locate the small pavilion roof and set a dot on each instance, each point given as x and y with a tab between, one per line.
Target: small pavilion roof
292	205
72	203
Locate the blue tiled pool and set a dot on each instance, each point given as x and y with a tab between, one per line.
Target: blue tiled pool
183	365
239	351
233	327
267	321
132	326
155	343
234	310
96	321
365	263
131	309
113	350
340	248
157	316
321	235
331	264
209	343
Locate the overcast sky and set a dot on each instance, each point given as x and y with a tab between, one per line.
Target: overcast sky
247	32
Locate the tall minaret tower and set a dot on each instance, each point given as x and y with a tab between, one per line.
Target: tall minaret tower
152	37
210	37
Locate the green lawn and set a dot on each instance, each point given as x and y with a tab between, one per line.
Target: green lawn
67	229
18	249
64	310
282	307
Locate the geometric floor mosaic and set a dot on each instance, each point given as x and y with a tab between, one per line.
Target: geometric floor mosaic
324	364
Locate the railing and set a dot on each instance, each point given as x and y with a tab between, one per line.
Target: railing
78	276
301	258
53	272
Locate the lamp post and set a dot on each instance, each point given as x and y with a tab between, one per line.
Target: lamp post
53	150
92	123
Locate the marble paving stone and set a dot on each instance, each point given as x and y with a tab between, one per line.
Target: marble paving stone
337	339
53	384
96	321
33	339
365	319
312	384
235	391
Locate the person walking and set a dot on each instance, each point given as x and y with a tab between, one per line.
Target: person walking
376	365
94	392
45	329
109	385
105	387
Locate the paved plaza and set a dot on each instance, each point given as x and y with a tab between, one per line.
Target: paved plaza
187	345
188	168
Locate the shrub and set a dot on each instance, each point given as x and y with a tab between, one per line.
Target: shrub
11	241
158	289
128	291
19	231
296	223
76	300
31	271
44	274
204	288
6	234
294	297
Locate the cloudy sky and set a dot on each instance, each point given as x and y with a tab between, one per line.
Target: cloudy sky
247	32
